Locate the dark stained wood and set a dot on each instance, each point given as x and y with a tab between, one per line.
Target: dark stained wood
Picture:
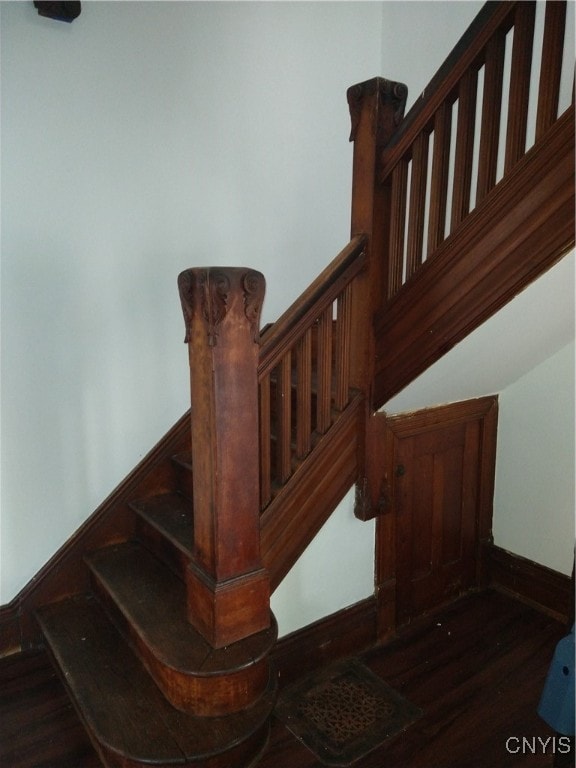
520	69
344	633
418	180
148	603
228	590
466	668
38	724
302	506
519	230
491	115
376	110
124	712
551	66
399	187
165	526
439	180
464	147
525	580
438	468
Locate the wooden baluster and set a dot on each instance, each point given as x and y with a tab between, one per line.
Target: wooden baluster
520	69
324	371
343	341
491	114
228	589
284	421
439	180
417	204
464	147
551	68
304	395
397	224
265	442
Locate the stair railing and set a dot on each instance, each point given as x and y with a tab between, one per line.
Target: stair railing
483	110
304	369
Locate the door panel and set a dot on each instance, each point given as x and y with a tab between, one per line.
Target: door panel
440	462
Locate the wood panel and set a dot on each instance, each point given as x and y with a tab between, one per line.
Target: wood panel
518	231
531	582
438	466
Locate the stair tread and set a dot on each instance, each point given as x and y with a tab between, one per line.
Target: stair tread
153	601
171	514
118	701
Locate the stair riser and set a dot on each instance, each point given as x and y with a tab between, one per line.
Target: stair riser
162	547
209	695
245	755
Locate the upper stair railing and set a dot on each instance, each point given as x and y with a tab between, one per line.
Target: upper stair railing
496	96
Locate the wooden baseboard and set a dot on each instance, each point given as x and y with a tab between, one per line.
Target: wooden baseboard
10	636
341	634
532	583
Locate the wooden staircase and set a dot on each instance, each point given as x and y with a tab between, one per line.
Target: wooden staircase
147	686
157	612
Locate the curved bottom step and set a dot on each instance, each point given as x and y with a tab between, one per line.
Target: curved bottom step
126	716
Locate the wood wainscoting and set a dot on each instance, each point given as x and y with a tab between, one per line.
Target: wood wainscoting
435	472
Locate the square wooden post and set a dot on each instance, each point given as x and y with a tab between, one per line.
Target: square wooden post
228	589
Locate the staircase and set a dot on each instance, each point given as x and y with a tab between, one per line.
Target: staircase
147	686
157	612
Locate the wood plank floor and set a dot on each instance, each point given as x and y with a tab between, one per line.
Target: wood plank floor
476	670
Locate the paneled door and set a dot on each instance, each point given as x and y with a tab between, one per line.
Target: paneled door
440	469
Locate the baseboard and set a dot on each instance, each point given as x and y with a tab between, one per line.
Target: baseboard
10	635
532	583
344	633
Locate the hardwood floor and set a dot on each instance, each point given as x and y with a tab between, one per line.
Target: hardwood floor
476	669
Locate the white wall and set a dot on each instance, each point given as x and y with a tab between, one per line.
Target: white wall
534	494
142	139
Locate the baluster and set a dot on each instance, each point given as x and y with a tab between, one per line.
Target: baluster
265	442
324	371
417	204
284	420
520	69
343	340
491	114
551	67
439	181
464	147
304	395
397	222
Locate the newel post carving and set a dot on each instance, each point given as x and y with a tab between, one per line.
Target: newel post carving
228	589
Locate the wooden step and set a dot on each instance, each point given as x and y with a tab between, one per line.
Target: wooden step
182	463
126	716
165	525
148	604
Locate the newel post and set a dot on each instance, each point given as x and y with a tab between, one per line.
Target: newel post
228	589
376	109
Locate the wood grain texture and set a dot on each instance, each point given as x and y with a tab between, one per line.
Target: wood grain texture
518	231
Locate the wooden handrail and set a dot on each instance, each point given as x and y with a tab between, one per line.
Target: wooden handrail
304	369
316	298
445	156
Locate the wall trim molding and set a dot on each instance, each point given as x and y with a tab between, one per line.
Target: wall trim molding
346	632
537	585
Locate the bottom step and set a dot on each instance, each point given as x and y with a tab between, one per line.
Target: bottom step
126	716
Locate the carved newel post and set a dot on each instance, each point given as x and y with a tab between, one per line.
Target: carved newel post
228	589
